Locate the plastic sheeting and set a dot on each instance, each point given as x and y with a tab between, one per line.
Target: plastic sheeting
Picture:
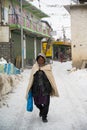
9	68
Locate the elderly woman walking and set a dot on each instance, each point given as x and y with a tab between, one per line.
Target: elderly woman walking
42	85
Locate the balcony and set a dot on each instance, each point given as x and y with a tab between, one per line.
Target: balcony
15	21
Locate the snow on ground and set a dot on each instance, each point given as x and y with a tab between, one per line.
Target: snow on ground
68	112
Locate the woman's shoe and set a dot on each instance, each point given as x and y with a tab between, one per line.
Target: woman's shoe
40	115
44	120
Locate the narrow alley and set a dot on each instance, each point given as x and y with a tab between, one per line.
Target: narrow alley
68	112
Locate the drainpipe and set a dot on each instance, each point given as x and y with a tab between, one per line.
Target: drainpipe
22	46
35	48
1	15
24	42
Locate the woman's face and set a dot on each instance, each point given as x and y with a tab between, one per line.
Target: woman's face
41	61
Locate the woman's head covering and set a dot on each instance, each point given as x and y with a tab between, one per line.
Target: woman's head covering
41	55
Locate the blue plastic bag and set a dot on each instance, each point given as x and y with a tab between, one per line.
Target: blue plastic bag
30	102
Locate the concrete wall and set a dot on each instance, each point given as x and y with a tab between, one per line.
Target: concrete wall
79	34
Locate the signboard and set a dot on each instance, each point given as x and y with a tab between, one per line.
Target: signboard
4	34
47	51
62	43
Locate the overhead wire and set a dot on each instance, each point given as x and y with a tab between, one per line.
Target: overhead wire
61	5
50	5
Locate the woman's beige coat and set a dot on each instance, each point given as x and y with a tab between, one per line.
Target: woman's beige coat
48	71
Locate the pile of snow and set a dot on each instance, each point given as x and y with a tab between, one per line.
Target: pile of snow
7	83
9	78
3	61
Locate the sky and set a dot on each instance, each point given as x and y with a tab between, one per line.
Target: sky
59	17
67	112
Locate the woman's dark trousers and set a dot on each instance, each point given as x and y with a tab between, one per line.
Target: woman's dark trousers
44	108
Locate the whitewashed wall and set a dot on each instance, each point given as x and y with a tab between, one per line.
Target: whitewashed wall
79	34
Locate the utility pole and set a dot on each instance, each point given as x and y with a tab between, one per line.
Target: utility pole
64	37
39	3
22	46
22	40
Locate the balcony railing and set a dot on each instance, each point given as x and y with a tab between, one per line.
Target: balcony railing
28	24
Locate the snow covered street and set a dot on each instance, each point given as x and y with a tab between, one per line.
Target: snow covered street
68	112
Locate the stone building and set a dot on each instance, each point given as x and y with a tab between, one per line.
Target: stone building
21	31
